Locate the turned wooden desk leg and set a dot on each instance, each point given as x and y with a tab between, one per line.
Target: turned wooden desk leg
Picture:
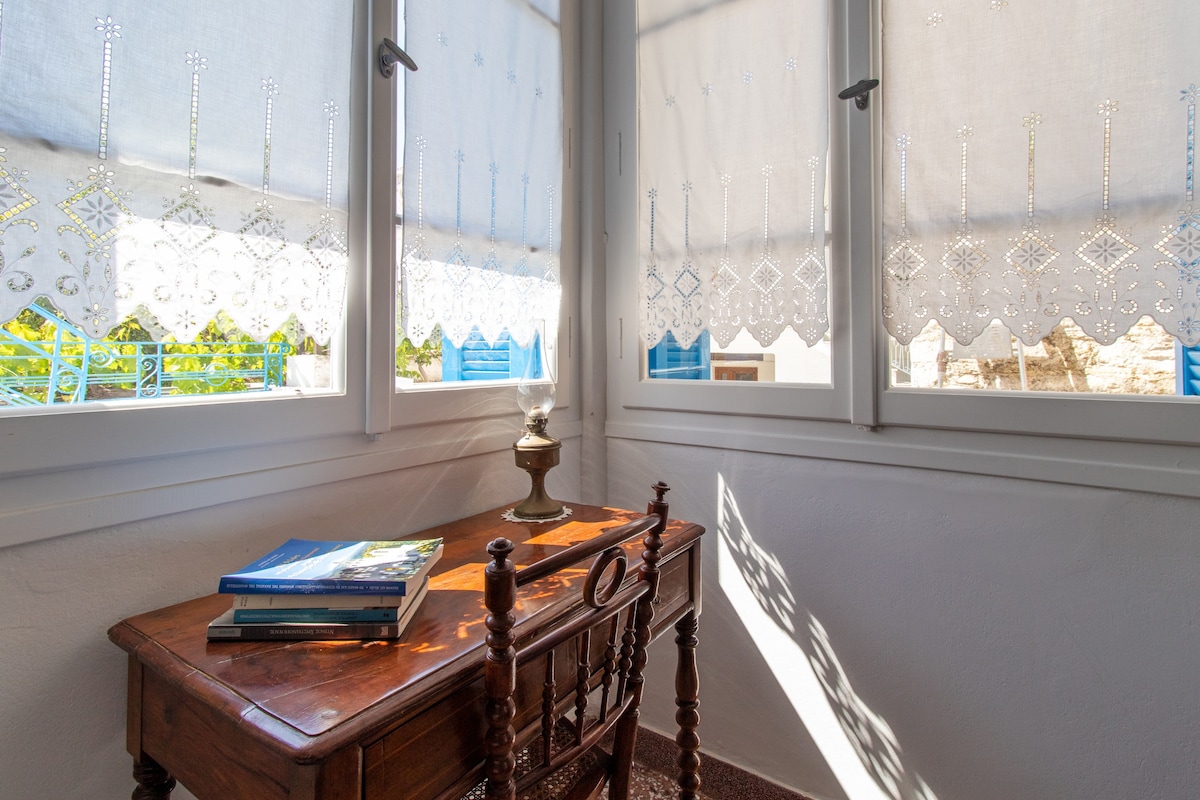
154	782
687	695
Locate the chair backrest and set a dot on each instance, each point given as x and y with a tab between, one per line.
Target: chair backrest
588	665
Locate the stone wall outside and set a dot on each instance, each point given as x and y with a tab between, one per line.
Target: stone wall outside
1067	360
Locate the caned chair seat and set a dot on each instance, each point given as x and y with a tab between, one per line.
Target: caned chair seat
581	679
559	784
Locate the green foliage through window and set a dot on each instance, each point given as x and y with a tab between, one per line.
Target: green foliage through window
413	361
46	360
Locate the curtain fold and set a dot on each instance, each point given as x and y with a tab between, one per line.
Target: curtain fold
182	159
732	144
483	166
1039	166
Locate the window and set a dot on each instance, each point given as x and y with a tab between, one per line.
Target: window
323	181
481	181
988	281
729	209
1054	262
943	243
733	186
174	202
942	266
216	162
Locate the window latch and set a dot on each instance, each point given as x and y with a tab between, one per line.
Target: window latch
859	91
389	54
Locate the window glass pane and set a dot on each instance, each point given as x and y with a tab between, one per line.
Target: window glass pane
1041	235
788	359
46	360
438	359
733	139
479	187
1145	361
182	184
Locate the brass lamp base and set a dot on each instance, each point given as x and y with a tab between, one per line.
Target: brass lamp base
537	453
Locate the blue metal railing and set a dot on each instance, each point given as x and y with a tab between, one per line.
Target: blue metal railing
72	368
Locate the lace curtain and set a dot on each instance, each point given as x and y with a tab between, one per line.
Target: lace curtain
1039	165
482	169
179	158
732	142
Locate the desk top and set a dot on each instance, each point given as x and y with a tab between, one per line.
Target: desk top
307	699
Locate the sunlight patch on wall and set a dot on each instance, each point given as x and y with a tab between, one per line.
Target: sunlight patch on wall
859	746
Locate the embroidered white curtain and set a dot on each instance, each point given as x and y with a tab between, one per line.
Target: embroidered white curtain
182	158
732	142
482	169
1039	165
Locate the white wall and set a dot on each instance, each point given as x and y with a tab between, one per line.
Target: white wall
1002	638
62	683
996	638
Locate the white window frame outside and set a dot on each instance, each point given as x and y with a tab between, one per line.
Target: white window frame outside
1103	441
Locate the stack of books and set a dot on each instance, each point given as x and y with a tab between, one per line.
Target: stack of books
308	589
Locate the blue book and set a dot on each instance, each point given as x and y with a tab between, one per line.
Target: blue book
223	628
303	566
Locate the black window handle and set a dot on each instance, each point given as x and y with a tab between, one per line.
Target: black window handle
389	54
859	91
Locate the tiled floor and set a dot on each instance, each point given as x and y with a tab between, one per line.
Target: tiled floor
647	784
656	756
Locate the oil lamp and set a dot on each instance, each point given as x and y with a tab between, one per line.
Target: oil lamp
537	452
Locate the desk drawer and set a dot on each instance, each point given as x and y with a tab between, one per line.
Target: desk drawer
429	752
677	584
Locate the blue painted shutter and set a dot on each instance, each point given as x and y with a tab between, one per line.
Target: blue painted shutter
477	360
1188	370
668	360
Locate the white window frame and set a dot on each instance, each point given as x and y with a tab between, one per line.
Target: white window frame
1101	441
840	400
78	468
1166	420
419	406
832	401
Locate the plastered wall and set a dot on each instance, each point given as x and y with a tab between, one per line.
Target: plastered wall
62	683
874	632
868	632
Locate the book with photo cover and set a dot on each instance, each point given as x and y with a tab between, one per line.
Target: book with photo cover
223	628
304	566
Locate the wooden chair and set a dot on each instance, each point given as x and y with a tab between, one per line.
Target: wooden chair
548	737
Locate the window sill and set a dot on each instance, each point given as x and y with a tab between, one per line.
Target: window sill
1134	466
47	504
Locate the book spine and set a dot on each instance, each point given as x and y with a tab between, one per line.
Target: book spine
296	632
281	586
289	601
315	615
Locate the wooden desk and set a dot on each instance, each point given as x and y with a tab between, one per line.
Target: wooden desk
371	720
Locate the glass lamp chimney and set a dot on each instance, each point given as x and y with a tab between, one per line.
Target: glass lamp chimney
536	398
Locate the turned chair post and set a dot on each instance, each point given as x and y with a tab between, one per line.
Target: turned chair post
626	732
500	674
